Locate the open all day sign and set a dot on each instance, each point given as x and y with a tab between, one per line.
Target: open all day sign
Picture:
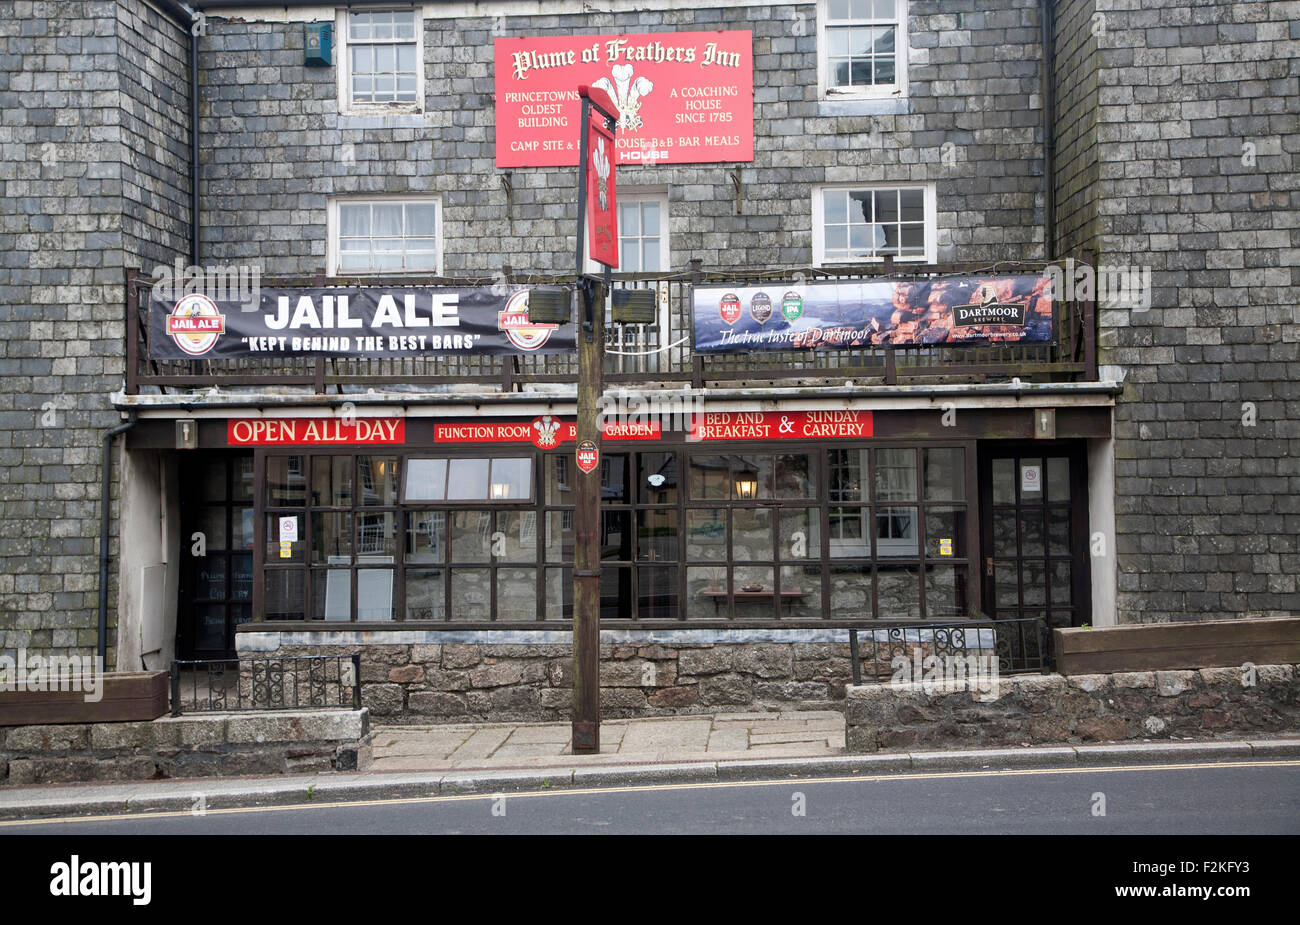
682	97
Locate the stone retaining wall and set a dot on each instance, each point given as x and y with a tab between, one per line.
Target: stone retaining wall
495	683
215	745
1053	709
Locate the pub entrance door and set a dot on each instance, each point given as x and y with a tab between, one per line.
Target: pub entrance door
1034	531
216	572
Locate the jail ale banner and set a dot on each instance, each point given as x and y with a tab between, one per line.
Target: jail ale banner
953	311
682	97
351	322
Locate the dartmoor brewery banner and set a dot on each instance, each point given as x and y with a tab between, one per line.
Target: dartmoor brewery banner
352	322
893	313
682	97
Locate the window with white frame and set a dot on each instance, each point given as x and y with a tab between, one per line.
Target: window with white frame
382	56
642	233
852	224
386	235
862	46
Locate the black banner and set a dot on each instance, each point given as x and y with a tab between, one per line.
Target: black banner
351	322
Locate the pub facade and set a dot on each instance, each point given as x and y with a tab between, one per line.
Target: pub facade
871	388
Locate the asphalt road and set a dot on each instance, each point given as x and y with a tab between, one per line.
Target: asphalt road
1247	798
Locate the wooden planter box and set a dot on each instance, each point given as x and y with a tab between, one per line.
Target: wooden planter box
127	696
1167	646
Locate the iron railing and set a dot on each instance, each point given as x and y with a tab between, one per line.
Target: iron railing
653	355
293	683
1021	646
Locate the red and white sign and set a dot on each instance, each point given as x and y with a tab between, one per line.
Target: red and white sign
602	204
781	425
544	432
315	431
587	455
683	97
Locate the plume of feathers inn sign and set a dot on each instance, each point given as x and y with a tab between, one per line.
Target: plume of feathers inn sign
682	97
950	311
351	322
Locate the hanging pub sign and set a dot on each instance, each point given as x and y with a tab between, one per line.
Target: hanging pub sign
682	97
602	205
951	311
352	322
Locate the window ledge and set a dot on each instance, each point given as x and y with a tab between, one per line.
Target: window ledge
863	106
404	116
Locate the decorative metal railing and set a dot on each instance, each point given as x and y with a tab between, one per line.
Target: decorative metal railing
294	683
649	355
899	650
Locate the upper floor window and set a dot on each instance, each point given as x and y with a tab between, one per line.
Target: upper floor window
383	59
862	47
385	236
642	233
853	224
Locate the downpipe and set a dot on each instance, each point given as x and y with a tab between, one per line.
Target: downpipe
105	524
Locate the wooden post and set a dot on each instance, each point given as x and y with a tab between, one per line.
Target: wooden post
586	517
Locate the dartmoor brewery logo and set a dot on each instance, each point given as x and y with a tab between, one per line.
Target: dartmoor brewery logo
986	309
196	324
514	323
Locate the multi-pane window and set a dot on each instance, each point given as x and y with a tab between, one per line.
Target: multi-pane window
642	235
861	45
383	54
854	533
387	236
868	224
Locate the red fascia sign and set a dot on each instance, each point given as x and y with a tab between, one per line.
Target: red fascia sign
682	97
781	425
602	205
315	431
545	432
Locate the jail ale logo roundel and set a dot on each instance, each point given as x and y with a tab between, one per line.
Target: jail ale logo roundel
196	324
514	323
588	456
760	306
730	308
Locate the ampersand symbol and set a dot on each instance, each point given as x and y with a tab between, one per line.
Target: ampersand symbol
785	427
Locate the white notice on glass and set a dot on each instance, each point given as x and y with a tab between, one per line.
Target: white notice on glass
289	529
1031	479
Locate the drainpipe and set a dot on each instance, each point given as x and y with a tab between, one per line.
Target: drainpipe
1047	15
105	508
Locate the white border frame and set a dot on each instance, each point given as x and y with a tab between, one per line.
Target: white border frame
332	230
818	223
343	64
901	56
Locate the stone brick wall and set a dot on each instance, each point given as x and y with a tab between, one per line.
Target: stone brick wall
275	144
1047	709
1075	129
89	186
1207	468
482	682
216	745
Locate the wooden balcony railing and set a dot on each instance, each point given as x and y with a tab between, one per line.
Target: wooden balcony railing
637	355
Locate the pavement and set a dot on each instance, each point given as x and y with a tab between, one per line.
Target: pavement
420	761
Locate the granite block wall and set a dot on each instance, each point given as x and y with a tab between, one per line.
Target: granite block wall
88	187
276	145
1197	134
